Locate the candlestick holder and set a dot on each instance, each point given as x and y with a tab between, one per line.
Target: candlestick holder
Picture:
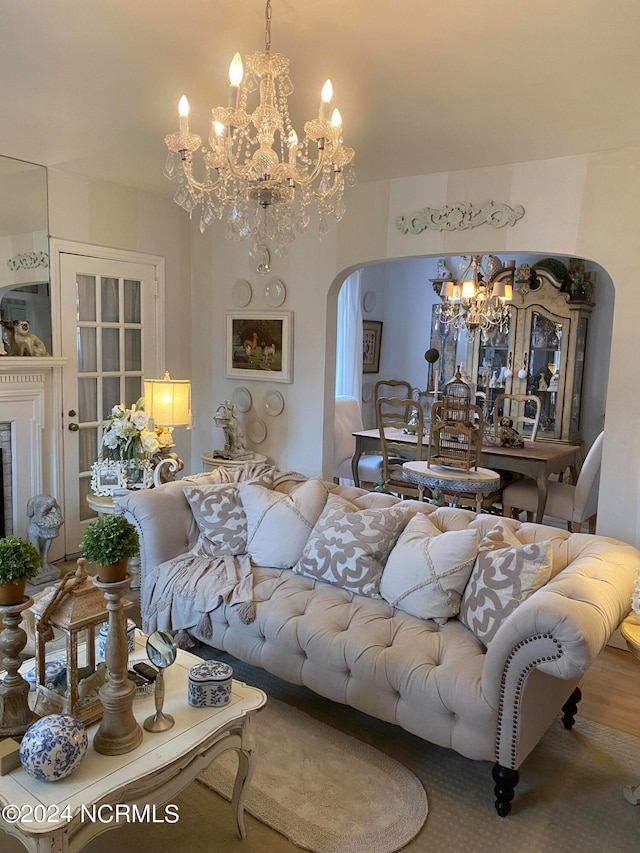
15	714
119	731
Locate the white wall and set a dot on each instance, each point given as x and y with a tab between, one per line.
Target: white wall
582	206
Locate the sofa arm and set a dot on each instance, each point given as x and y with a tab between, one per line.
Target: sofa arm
164	522
542	650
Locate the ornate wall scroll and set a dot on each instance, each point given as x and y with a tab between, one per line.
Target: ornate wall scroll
28	261
459	217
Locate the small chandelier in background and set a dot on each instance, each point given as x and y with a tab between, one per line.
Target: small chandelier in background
257	173
479	301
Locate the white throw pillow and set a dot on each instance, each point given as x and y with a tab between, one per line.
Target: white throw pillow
427	571
502	578
348	547
221	520
278	525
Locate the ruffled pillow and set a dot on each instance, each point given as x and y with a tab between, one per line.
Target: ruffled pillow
278	525
427	571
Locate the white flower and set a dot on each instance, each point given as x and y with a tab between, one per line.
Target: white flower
149	441
117	411
140	419
110	440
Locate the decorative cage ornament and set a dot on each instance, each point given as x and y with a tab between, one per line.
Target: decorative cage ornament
455	435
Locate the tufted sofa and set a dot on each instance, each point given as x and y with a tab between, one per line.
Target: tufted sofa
437	681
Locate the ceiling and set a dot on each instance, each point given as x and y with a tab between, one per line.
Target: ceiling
92	87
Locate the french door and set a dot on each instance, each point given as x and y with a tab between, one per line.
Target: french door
110	333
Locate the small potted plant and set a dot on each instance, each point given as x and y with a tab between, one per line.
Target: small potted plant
109	541
19	560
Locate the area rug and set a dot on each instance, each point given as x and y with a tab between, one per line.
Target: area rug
324	790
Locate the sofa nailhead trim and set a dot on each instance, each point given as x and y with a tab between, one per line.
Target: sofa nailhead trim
518	691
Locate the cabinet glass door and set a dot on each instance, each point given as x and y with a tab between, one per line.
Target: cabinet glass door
545	364
495	357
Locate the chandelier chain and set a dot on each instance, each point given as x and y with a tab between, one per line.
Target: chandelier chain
267	27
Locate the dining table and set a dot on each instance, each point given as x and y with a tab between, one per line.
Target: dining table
537	459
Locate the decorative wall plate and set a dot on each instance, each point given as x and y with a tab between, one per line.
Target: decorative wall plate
257	431
367	392
242	398
369	301
275	292
241	293
273	403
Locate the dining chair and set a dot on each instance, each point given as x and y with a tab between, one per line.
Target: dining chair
393	416
573	504
514	406
394	388
348	419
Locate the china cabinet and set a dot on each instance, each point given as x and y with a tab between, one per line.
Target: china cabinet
542	353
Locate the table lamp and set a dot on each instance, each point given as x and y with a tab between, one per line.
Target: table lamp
168	403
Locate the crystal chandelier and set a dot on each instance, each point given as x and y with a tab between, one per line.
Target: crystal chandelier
258	175
480	300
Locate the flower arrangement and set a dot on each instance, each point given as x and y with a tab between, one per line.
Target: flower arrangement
126	435
635	598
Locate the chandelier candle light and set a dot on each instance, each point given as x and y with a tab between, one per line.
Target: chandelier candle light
258	175
480	300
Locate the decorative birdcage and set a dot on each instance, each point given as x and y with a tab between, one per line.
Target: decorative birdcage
455	435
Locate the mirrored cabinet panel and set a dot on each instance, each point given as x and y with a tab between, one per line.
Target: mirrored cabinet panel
25	305
541	354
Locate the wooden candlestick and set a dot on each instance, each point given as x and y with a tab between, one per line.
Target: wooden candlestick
15	714
118	731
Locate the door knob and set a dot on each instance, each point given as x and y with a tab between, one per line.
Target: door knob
74	427
72	413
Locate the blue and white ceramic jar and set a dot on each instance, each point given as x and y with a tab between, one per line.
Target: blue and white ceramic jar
209	684
102	638
53	747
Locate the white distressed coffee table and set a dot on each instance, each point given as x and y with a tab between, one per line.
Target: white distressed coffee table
63	816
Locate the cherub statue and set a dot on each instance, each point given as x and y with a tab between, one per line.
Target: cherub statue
509	437
235	445
44	520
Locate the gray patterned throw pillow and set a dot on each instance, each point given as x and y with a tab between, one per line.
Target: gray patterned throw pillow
221	520
349	547
500	581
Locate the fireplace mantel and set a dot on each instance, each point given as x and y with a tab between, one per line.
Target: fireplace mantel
31	402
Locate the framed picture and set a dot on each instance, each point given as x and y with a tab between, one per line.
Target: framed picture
107	475
259	345
371	339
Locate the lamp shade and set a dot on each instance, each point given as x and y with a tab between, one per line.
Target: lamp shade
168	401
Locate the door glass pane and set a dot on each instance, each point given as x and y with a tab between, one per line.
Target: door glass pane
87	448
110	394
545	352
86	298
110	350
133	389
132	312
133	349
84	487
87	400
87	356
110	300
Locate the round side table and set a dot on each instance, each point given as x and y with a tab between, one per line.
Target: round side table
479	482
210	461
630	630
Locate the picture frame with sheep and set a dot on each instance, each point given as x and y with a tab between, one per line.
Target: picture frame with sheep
259	345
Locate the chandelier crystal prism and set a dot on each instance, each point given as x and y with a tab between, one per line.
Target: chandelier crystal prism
479	301
257	174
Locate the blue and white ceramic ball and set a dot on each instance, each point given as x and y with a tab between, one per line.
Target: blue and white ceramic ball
53	746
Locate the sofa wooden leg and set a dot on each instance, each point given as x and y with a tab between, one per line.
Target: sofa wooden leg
592	523
504	789
570	708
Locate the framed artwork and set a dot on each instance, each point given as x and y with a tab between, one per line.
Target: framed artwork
371	339
259	345
107	475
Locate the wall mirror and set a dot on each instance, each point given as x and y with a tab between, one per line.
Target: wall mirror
24	248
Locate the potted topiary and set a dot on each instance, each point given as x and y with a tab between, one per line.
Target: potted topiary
19	560
109	541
